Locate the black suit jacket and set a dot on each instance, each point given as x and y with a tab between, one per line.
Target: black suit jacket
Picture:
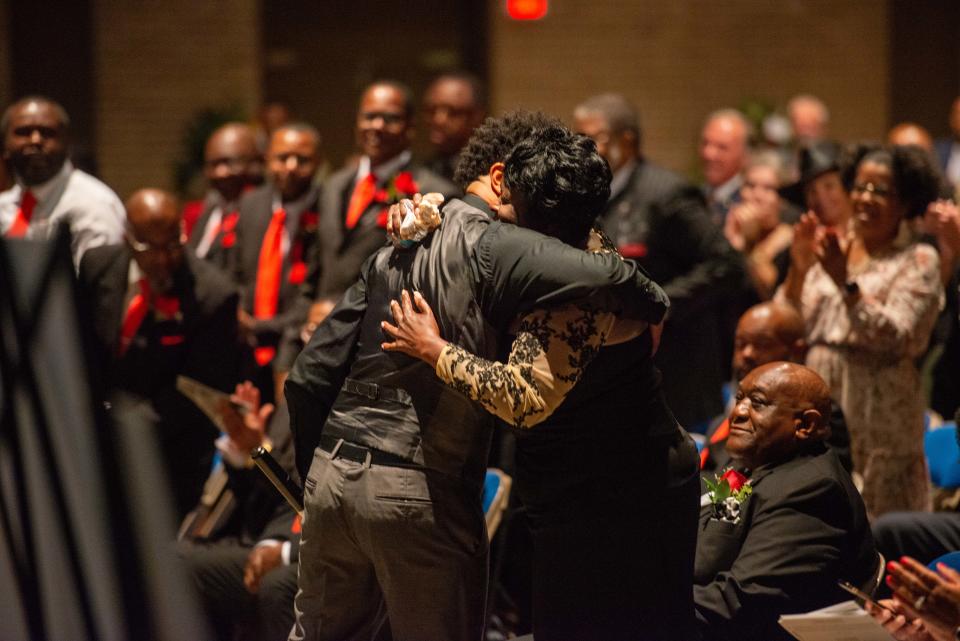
208	328
343	250
201	344
224	245
256	210
803	529
663	222
943	147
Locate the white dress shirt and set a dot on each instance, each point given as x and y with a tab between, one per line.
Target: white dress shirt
94	213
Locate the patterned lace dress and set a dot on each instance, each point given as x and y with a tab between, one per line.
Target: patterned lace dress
551	350
864	348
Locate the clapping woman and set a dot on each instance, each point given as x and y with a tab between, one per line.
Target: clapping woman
869	302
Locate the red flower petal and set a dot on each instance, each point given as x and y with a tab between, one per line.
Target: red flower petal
382	218
230	221
298	273
229	239
735	479
404	182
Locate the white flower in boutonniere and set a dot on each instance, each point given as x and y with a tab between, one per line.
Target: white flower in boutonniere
728	494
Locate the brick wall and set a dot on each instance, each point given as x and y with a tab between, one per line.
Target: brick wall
157	64
681	59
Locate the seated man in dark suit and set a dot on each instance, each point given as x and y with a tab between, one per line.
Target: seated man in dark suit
766	333
157	312
800	528
245	567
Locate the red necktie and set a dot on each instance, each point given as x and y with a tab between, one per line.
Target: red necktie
22	222
269	267
136	312
361	199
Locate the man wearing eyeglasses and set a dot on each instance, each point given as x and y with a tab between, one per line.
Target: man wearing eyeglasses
157	312
49	189
356	199
232	166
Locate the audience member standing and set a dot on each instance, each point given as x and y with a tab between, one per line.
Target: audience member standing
724	144
49	189
357	197
809	119
657	218
276	263
158	312
453	106
231	165
869	304
755	226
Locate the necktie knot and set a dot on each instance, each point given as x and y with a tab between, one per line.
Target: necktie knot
21	222
29	202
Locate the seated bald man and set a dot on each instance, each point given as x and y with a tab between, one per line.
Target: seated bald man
782	545
765	333
155	312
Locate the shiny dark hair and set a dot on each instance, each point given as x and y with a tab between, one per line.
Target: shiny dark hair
563	181
493	140
915	177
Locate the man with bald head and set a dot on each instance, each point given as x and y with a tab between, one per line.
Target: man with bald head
49	189
276	263
910	133
809	118
769	332
157	312
724	147
802	527
232	165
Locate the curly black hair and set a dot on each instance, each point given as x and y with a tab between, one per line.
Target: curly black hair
493	140
562	181
916	178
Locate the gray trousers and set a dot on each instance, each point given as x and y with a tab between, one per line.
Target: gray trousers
382	541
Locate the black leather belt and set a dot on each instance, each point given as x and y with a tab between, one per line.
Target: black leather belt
374	391
339	448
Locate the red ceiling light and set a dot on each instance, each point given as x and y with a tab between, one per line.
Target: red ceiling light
527	9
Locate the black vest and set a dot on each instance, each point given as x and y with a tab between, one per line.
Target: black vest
396	403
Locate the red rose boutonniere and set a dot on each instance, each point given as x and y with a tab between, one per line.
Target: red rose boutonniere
728	494
400	186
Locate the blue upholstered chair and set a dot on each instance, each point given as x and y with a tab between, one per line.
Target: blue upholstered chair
496	495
